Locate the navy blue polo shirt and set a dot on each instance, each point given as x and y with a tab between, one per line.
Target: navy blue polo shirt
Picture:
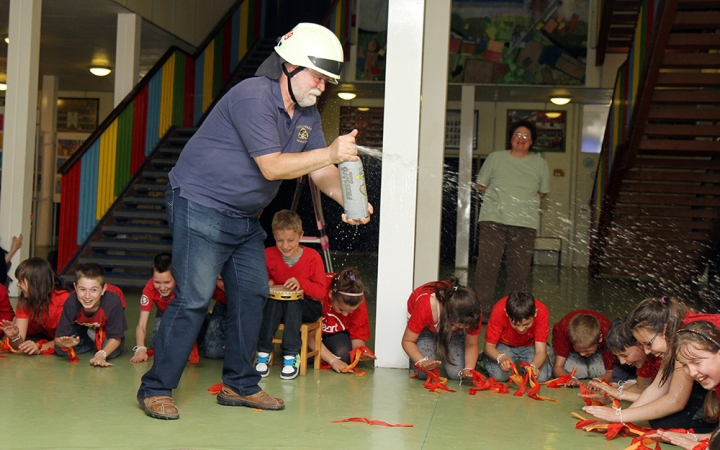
216	168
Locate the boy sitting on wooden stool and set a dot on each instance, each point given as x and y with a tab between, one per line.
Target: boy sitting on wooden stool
291	267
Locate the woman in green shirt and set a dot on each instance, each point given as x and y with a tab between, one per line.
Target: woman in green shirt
512	183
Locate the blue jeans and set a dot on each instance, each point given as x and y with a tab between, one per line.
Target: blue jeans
522	354
213	342
207	243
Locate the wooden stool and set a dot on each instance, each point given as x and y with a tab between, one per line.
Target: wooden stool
305	330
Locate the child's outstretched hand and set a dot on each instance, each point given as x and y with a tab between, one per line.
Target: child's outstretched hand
338	365
596	397
140	355
67	341
99	360
466	373
16	243
292	283
9	328
428	364
505	363
29	348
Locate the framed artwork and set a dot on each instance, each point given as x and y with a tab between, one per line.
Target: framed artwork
77	115
550	128
452	129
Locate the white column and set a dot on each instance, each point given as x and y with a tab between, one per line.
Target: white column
20	120
48	133
127	54
462	242
432	141
399	177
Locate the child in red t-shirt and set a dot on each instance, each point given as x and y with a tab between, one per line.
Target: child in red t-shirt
635	371
6	310
159	291
697	350
577	341
295	267
673	400
345	320
444	316
93	318
39	307
518	330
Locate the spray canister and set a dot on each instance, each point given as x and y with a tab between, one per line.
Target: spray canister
352	180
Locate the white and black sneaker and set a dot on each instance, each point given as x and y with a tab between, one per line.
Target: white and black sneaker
263	364
291	367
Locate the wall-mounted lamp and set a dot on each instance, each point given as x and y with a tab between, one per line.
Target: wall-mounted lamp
552	115
347	95
100	71
3	86
560	100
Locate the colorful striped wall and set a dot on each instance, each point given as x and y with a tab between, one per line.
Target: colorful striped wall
340	21
176	92
624	99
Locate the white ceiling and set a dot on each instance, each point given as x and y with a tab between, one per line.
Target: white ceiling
77	33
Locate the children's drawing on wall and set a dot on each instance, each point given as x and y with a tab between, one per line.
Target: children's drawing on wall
372	40
519	41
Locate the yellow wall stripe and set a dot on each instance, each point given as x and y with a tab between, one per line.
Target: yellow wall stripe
166	96
106	170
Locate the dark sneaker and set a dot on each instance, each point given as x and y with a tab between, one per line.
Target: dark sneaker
159	407
263	364
291	367
260	400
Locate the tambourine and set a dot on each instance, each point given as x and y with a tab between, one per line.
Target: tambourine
283	293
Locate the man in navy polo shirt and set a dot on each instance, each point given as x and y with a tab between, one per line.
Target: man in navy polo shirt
264	130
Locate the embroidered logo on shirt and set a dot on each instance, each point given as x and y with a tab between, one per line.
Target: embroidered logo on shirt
144	300
303	134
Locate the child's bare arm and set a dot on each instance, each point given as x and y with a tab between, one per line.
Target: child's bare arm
540	357
472	350
140	353
409	344
15	331
502	359
672	401
100	358
559	366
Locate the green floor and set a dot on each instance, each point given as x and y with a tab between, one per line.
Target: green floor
46	402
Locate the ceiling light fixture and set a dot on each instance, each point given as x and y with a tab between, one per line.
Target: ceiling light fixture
100	71
363	109
7	39
560	100
347	95
3	86
552	115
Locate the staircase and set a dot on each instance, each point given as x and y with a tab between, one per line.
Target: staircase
136	229
660	216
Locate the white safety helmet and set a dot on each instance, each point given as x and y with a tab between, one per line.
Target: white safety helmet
315	47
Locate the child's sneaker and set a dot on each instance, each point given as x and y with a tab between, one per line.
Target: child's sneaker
263	364
290	368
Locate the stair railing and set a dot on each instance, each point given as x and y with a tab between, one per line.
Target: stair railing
634	87
177	91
